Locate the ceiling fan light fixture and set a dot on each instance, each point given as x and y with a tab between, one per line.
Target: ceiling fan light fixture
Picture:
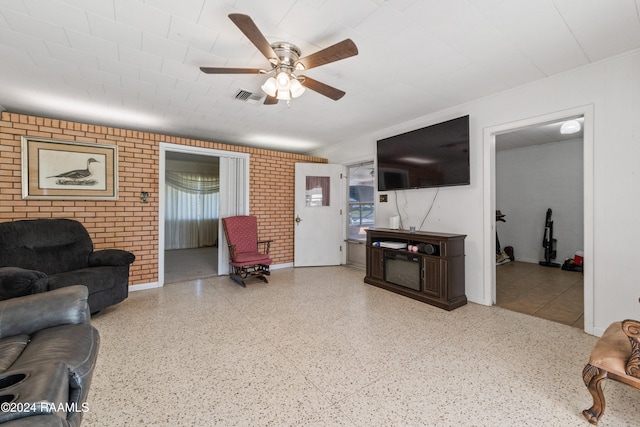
270	87
285	59
284	95
570	126
296	88
283	81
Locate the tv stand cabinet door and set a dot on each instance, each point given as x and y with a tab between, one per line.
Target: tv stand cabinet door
376	263
431	277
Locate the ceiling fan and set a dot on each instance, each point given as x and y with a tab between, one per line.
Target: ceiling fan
285	60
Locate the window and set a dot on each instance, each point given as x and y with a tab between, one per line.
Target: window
317	191
361	206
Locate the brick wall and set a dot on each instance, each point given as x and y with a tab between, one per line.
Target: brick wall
126	223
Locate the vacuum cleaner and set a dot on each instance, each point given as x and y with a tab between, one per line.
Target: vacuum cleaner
549	243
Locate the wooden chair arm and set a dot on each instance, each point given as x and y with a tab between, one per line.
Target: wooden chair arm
632	329
232	251
267	245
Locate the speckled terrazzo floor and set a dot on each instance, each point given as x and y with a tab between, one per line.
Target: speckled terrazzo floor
319	347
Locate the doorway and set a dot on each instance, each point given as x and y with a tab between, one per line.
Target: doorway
192	199
489	197
233	199
539	184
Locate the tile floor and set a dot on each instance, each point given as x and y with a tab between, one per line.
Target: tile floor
188	264
549	293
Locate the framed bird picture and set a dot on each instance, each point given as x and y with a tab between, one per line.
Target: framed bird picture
66	170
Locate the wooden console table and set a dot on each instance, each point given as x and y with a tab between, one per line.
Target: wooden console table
434	275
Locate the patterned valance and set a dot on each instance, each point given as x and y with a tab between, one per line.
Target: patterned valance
193	183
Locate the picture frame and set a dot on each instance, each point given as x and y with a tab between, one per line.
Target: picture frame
66	170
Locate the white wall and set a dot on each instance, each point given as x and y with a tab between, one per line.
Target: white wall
529	180
612	87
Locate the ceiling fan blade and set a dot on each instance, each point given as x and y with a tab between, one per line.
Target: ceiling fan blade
270	100
222	70
249	28
344	49
321	88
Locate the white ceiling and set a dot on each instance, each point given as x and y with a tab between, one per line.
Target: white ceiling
135	64
545	133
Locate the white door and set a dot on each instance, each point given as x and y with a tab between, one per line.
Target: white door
320	200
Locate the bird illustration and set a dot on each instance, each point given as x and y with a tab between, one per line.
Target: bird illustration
78	173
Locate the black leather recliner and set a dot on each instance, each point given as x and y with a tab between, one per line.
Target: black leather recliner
45	254
48	352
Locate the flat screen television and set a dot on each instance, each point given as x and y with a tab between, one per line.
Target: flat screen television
433	156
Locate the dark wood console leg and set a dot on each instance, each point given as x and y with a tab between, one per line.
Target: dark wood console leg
592	378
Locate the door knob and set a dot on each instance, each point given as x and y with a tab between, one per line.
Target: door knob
298	219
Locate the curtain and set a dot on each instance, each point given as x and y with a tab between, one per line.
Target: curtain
191	212
235	169
234	198
318	191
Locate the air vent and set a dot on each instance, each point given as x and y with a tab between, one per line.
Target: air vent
249	97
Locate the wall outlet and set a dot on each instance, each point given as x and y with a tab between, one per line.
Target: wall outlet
383	198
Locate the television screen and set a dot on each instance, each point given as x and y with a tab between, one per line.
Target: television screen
434	156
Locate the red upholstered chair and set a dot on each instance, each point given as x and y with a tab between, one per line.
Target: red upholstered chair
249	256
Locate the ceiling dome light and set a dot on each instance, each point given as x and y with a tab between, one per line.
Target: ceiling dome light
570	126
296	88
270	86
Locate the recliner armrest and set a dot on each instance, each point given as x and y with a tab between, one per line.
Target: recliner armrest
17	282
111	257
31	313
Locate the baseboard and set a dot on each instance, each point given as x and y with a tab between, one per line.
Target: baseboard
153	285
144	286
479	300
279	266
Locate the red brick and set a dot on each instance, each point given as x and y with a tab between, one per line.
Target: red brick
125	223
